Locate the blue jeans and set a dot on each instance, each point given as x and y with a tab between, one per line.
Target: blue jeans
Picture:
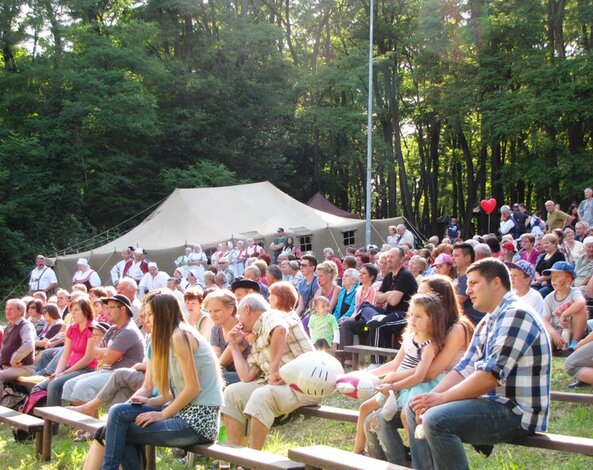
123	435
385	443
54	387
48	361
476	421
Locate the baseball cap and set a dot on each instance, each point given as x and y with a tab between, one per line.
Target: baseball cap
442	259
525	266
560	267
509	246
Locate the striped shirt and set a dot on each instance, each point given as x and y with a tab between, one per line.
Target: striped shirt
412	352
297	341
511	344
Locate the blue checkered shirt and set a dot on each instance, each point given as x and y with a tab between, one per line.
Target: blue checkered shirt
511	344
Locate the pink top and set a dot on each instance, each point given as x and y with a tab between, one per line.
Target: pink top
532	257
78	342
368	297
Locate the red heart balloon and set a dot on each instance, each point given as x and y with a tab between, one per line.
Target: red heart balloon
488	205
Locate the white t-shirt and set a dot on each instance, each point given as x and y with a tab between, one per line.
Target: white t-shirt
534	299
148	283
41	279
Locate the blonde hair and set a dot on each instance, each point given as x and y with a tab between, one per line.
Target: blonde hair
328	267
550	237
224	296
321	300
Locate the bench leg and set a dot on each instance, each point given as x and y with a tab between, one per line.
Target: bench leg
311	467
150	453
355	364
39	444
47	425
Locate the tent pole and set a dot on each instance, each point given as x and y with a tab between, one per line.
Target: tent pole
369	130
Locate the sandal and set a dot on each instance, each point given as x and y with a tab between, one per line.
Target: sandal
83	437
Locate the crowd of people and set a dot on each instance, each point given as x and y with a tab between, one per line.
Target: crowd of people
168	356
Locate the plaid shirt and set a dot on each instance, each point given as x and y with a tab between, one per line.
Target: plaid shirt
297	341
512	345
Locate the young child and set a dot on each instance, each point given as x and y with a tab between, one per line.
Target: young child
565	313
422	341
323	327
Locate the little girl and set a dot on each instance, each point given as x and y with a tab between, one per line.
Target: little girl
323	327
423	339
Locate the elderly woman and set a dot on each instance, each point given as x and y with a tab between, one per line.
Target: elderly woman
573	246
550	255
222	308
345	305
237	262
35	315
528	251
417	265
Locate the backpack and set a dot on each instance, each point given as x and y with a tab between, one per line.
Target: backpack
11	398
36	398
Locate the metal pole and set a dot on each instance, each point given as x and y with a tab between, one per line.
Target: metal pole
369	129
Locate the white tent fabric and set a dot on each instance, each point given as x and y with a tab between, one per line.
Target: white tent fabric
209	216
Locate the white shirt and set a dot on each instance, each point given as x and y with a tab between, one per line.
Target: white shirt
534	299
148	283
117	272
41	279
81	276
135	271
406	239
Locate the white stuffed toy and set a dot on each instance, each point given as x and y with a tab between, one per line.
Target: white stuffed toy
313	374
359	385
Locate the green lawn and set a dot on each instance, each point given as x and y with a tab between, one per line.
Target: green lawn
565	418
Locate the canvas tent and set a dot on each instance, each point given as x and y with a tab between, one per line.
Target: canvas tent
211	215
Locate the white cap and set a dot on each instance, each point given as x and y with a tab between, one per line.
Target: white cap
138	251
83	261
588	240
152	264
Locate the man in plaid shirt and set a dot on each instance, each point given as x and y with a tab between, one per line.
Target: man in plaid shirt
499	391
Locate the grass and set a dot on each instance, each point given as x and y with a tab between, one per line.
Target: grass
565	418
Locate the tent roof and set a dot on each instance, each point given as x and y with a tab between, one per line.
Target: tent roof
210	215
319	202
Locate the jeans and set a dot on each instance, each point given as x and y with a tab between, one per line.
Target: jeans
123	435
55	386
476	421
385	443
48	361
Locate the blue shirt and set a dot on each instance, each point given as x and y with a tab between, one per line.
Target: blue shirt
307	291
511	344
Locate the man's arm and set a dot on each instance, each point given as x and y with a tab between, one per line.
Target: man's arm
27	334
277	346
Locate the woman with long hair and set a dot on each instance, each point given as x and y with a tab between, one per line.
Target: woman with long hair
186	373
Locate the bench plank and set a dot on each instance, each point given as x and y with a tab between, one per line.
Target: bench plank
57	414
329	412
571	397
25	422
245	456
337	459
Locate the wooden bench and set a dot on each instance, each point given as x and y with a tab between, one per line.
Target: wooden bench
359	351
575	444
337	459
73	419
26	423
244	456
571	397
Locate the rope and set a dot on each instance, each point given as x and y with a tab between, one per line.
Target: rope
335	241
15	288
88	240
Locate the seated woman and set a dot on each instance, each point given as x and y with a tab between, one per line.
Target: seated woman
187	375
35	315
222	308
383	440
574	247
346	298
53	325
528	251
444	266
284	297
550	255
77	357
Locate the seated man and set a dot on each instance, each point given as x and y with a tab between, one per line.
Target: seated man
18	344
584	265
499	391
125	347
262	395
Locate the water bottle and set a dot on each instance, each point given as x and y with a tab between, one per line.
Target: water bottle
566	337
